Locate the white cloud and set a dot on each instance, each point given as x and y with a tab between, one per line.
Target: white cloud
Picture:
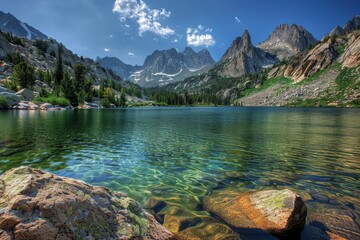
237	20
107	49
175	41
196	39
155	39
147	18
131	54
127	25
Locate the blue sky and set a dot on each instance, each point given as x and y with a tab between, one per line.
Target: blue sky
133	29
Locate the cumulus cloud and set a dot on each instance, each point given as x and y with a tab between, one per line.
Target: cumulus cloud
131	54
147	18
107	49
237	20
196	39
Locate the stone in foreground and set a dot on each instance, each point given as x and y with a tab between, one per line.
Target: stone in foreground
38	205
279	212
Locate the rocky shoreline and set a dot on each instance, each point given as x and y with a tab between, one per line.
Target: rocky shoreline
39	205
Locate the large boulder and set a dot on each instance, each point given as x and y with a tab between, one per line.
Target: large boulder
280	212
11	98
46	106
27	94
38	205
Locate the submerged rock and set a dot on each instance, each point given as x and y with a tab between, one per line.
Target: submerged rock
279	212
38	205
336	224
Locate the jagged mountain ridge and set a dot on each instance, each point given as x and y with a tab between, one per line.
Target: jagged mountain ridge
286	41
163	67
9	23
167	66
243	58
350	26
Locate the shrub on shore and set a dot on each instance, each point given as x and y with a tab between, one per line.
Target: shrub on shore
61	101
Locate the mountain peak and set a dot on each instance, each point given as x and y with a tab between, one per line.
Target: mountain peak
189	50
286	41
9	23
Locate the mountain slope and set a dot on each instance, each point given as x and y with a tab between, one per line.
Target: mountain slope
167	66
44	58
9	23
326	75
120	68
286	41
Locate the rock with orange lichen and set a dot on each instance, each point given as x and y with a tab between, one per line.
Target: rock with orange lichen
279	212
38	205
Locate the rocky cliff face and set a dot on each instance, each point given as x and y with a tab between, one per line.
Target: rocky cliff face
345	49
286	41
197	60
120	68
5	47
243	58
9	23
167	66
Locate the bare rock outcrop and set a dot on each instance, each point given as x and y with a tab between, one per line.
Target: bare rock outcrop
38	205
318	58
351	56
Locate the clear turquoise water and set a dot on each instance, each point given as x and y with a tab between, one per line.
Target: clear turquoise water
181	154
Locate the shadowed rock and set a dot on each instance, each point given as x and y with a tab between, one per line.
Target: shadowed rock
40	205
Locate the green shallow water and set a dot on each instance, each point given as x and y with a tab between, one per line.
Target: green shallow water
182	154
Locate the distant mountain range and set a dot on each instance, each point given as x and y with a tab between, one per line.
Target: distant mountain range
162	67
9	23
242	57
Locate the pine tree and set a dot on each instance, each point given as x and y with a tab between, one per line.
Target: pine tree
122	98
79	75
24	75
68	89
59	71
